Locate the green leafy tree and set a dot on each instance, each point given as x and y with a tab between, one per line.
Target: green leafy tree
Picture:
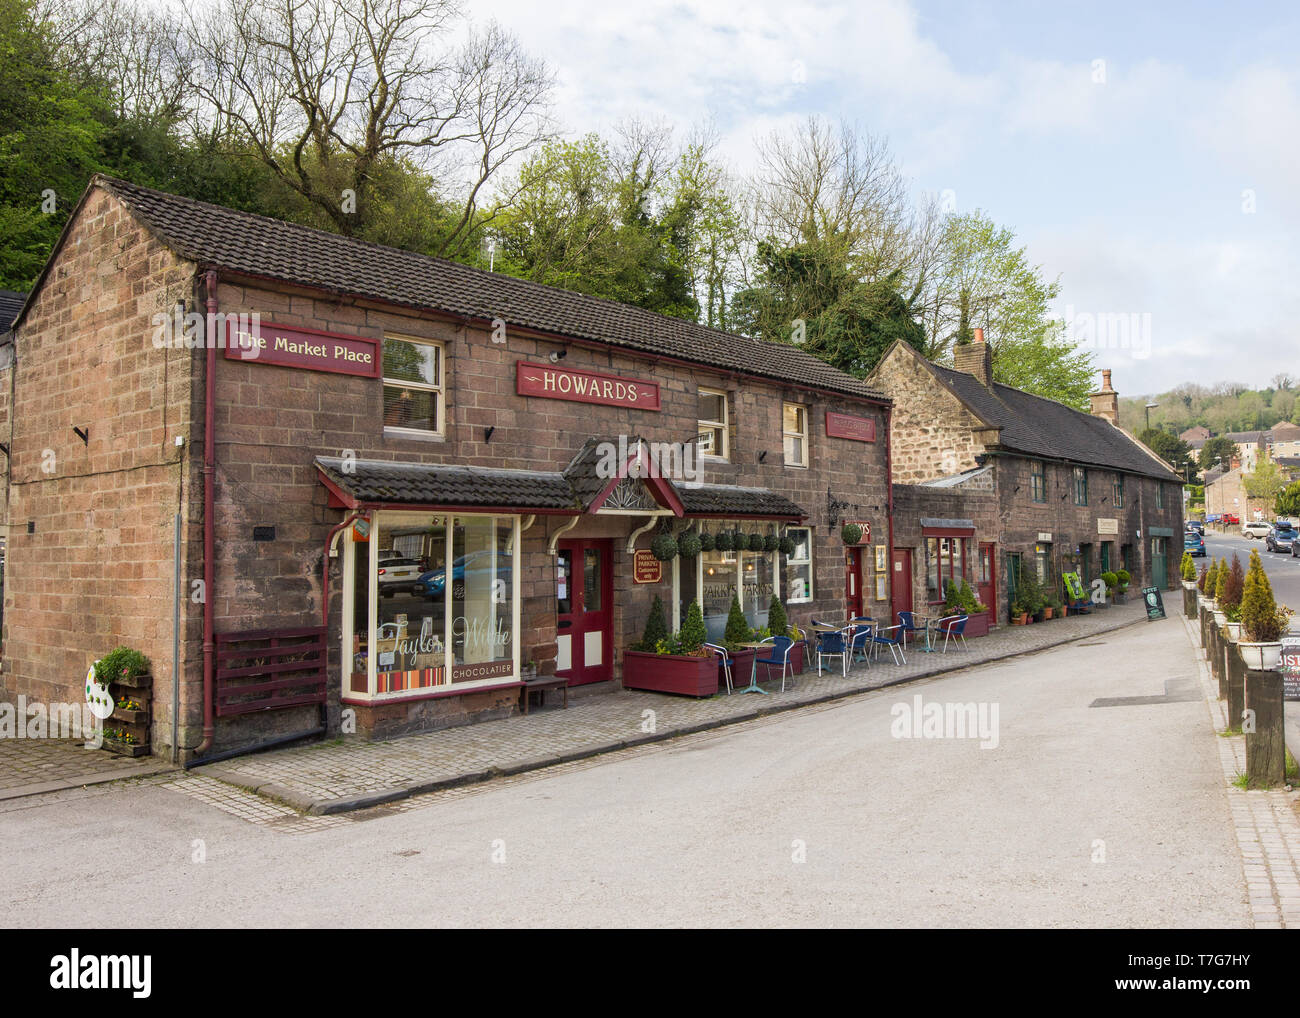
1166	446
1215	449
1266	481
1287	502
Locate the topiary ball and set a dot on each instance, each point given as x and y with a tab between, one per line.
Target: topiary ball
706	541
787	546
664	547
756	542
723	541
851	533
771	542
689	545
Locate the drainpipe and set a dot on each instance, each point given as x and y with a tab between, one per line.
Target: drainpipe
889	504
209	473
325	571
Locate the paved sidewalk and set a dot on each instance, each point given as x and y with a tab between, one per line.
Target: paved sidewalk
350	773
37	766
1266	822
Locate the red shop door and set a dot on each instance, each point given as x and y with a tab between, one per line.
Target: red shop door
853	581
584	590
901	587
986	579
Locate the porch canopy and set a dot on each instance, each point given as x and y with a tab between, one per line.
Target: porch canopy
933	526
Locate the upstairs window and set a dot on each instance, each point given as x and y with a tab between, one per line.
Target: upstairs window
1080	486
413	385
1119	491
794	424
1160	495
713	423
1038	480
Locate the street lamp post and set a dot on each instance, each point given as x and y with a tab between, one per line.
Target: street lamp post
1149	408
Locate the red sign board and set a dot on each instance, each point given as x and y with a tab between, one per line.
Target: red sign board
294	347
859	429
550	382
646	568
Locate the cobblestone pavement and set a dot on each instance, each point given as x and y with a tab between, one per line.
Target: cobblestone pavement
351	773
35	766
1266	822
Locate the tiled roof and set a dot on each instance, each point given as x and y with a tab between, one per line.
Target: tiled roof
731	500
11	301
1248	437
379	482
213	235
1037	426
374	481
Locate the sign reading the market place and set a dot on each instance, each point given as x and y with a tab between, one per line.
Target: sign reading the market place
294	347
859	429
646	568
1291	667
550	382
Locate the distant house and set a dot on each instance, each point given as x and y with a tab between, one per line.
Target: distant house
1284	440
1196	437
1249	446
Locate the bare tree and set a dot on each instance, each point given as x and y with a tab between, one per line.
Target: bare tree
326	93
1282	380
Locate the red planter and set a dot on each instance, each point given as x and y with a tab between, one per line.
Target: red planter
742	665
671	673
977	625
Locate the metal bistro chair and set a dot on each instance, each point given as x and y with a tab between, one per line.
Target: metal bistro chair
863	628
894	643
907	623
954	628
834	643
781	646
725	660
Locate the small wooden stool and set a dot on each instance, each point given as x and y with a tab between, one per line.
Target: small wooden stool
541	684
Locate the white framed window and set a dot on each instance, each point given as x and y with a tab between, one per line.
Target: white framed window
713	424
413	385
794	427
798	566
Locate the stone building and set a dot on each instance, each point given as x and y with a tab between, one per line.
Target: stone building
426	479
1072	491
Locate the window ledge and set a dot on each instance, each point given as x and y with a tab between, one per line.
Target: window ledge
417	436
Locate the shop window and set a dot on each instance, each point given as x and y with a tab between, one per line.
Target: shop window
795	427
1080	486
1038	481
1119	491
720	577
756	574
798	567
713	423
947	558
413	385
1043	562
442	612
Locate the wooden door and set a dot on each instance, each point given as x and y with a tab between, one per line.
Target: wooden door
901	582
853	582
986	576
584	616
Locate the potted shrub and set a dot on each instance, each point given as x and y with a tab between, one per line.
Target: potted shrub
1112	584
1208	580
778	624
1229	598
1030	593
664	546
1121	590
1053	608
680	663
1188	571
962	601
1262	624
1019	611
689	545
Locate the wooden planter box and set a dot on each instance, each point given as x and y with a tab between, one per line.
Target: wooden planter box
126	748
670	673
136	723
132	717
978	624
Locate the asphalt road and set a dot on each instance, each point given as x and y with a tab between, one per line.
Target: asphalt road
1092	816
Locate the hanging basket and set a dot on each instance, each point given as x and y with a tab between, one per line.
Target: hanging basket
664	547
756	542
706	541
851	533
689	545
723	541
787	546
771	542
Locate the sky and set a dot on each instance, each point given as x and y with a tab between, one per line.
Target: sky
1140	151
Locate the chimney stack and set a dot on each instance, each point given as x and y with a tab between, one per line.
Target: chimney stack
1105	401
975	359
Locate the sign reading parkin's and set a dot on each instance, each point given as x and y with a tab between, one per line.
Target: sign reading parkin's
585	386
294	347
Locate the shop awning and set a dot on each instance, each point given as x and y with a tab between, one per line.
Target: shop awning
934	526
376	484
731	500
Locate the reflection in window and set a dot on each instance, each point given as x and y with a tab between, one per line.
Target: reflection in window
481	613
798	566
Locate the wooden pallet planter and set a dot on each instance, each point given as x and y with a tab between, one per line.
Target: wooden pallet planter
136	723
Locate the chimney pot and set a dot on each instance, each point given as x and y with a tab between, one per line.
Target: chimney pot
979	335
1105	379
1105	401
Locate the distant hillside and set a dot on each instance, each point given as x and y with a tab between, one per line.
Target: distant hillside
1223	407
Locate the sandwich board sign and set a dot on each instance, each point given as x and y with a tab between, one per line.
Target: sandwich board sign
1154	602
1291	667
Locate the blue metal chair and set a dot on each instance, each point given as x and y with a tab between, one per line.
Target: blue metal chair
954	628
833	644
725	660
781	646
907	624
861	643
894	643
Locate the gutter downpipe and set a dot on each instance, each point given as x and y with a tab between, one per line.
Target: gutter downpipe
209	473
325	572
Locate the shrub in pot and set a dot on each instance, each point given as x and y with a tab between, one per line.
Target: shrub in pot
656	628
1112	583
1229	598
1124	578
1200	580
1262	625
680	662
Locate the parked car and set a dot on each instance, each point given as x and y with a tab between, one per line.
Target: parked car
1197	526
1194	544
1280	536
476	565
1231	519
1255	528
397	575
